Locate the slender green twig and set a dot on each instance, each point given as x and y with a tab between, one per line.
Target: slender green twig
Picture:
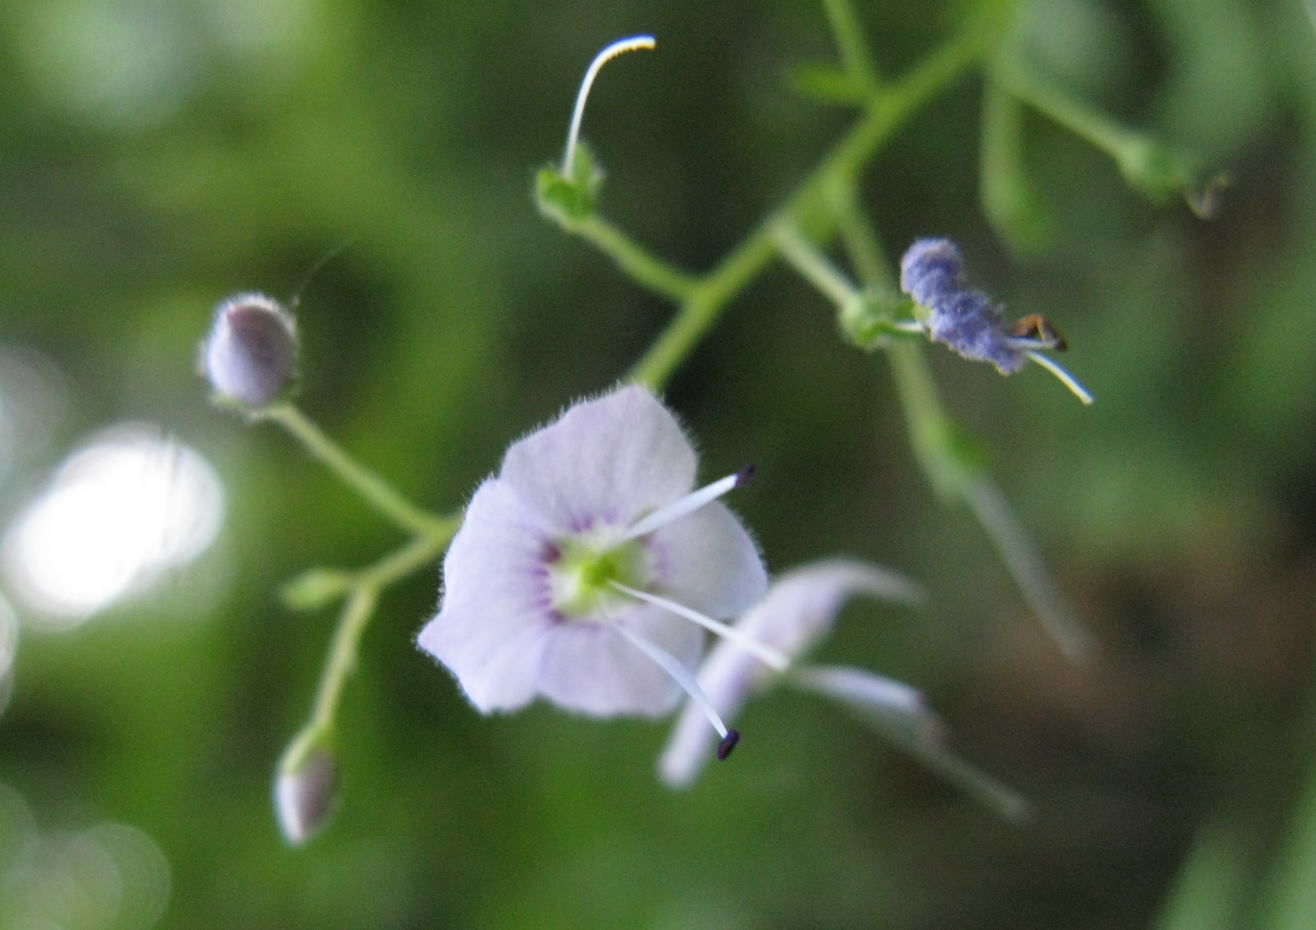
640	265
856	57
319	728
932	434
814	266
995	516
1147	164
886	113
857	235
1078	117
954	475
378	492
343	653
419	552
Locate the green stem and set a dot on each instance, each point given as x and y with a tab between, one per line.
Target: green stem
701	310
1078	117
805	258
856	58
1009	202
858	236
931	431
343	655
952	471
1025	564
808	203
638	263
378	492
1287	896
319	729
421	551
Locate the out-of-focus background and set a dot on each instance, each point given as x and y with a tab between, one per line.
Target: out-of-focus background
159	155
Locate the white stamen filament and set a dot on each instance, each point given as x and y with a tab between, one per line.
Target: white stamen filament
620	47
688	504
679	673
1065	377
766	654
907	326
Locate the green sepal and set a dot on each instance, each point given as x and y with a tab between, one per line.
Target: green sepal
830	85
569	199
866	320
314	588
1156	170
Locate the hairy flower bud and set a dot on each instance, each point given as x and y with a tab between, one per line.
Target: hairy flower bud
304	795
931	270
250	356
968	322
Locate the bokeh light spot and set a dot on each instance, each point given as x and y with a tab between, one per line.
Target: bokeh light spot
110	876
122	510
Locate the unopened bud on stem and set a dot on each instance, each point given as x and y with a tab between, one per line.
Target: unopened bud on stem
250	356
304	793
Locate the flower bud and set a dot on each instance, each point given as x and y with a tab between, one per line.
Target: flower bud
304	794
931	270
250	356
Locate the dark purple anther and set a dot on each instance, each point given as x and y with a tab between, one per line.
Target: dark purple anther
728	743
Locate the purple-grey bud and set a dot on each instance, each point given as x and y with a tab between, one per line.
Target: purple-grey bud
974	327
931	270
305	796
250	356
968	322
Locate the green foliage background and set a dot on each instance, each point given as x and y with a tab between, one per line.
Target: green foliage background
158	156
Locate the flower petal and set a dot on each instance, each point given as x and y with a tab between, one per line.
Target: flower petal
495	615
797	611
607	460
592	669
706	560
802	604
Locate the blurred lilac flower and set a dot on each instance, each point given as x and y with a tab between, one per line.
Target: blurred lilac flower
969	322
577	567
250	356
798	611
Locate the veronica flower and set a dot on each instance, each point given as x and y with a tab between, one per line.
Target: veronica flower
969	322
580	567
798	611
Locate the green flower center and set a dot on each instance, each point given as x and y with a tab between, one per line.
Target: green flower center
582	577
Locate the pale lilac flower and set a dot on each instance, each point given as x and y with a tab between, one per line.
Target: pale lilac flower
797	612
577	568
250	356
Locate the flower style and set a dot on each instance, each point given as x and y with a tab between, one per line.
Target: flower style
250	356
578	564
969	323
